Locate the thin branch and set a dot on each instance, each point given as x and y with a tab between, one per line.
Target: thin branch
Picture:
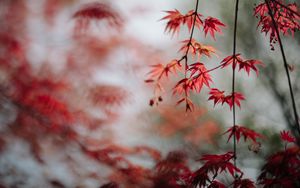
286	68
233	79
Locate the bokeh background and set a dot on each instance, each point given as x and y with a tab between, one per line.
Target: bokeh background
73	85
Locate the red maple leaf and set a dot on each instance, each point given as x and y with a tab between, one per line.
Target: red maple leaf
216	95
237	98
189	19
213	165
246	65
175	19
219	163
183	86
239	131
196	48
250	64
159	70
230	59
202	78
212	25
286	136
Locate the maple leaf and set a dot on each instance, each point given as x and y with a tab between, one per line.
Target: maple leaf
216	95
239	131
230	59
237	97
175	19
286	136
197	49
246	65
249	64
189	19
212	25
159	70
203	77
183	86
219	163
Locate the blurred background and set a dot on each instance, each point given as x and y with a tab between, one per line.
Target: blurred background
74	107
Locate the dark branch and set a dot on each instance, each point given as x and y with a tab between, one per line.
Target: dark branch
233	78
286	67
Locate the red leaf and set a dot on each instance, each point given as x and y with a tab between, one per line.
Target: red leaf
189	20
202	78
216	95
286	136
197	49
212	25
229	60
239	131
159	70
249	64
183	86
219	163
175	19
237	98
246	65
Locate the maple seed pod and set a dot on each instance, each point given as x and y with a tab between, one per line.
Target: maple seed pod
151	102
160	99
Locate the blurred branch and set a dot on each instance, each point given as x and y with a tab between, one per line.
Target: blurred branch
297	125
